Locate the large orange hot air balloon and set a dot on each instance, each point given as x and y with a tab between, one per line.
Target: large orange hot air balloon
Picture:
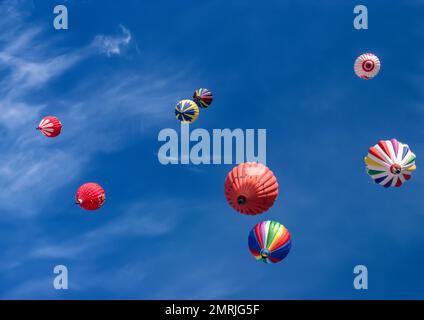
251	188
90	196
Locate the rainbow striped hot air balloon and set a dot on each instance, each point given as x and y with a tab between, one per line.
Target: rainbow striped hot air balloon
203	97
390	163
269	242
186	111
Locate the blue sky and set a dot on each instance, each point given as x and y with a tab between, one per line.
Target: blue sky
166	232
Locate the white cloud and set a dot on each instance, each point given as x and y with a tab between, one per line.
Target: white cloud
139	220
101	113
113	45
98	113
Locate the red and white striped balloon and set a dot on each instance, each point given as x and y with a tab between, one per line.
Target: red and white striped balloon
50	126
367	66
90	196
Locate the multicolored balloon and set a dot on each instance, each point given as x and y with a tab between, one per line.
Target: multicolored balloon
203	97
50	126
390	163
90	196
251	188
269	242
186	111
367	66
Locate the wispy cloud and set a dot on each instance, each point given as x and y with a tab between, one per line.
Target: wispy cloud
113	45
98	113
101	113
138	220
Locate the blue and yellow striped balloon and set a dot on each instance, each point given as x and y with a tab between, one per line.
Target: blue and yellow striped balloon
186	111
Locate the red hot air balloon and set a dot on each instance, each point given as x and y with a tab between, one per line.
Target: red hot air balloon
50	126
251	188
90	196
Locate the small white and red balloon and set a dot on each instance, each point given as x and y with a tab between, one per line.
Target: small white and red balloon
90	196
50	126
367	66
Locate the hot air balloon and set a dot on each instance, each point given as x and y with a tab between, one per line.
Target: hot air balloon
390	163
90	196
50	126
251	188
269	242
367	66
187	111
203	97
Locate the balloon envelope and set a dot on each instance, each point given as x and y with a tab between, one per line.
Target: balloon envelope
367	66
390	163
186	111
269	242
90	196
251	188
50	126
203	97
